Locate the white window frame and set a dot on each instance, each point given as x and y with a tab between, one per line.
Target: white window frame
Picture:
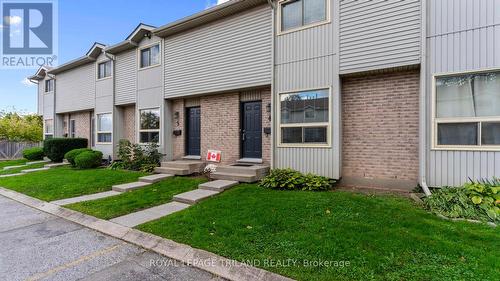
280	17
328	124
72	128
97	70
48	81
45	132
103	132
479	120
139	130
139	57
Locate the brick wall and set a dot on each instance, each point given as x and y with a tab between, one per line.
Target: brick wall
178	124
380	128
267	140
129	123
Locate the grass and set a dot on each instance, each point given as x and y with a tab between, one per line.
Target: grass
382	237
67	182
12	163
126	203
18	170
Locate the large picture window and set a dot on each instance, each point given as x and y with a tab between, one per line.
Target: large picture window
150	56
305	118
48	128
467	110
302	13
149	126
104	128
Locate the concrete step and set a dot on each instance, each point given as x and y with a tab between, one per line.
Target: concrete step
85	198
33	170
259	171
150	214
129	186
14	167
194	196
193	166
54	165
218	185
234	177
155	178
172	171
38	162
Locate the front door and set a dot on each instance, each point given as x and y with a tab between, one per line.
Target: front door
193	131
251	129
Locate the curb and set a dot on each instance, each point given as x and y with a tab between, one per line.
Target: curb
207	261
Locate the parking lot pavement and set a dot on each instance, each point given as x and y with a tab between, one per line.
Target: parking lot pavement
38	246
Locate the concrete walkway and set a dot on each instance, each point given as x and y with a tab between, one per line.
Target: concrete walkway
85	198
39	246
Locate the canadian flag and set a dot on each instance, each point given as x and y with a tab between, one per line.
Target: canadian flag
213	156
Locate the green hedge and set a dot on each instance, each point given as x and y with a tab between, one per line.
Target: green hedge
70	156
288	179
55	149
33	154
88	159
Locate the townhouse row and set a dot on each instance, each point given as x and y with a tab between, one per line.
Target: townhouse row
390	93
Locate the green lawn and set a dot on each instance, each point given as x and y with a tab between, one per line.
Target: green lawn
18	170
66	182
382	237
126	203
12	163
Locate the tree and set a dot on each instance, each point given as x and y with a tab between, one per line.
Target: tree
20	127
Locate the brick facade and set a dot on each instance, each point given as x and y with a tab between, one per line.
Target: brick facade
129	123
220	125
380	129
82	124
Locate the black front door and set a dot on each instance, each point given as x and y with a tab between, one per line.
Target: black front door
251	128
193	131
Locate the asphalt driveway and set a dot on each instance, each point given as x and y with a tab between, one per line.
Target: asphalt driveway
38	246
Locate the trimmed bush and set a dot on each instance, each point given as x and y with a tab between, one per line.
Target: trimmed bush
33	154
55	149
88	159
288	179
70	156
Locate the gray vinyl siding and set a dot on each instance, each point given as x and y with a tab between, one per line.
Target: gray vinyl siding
378	34
307	59
76	89
462	35
232	53
40	92
126	77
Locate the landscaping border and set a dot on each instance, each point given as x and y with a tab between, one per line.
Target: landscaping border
204	260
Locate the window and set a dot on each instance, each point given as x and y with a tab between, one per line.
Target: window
149	126
301	13
104	127
49	128
150	56
467	110
104	70
72	128
49	85
305	117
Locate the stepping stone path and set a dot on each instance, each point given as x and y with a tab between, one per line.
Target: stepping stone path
150	214
34	170
54	165
155	178
218	185
130	186
27	164
85	198
194	196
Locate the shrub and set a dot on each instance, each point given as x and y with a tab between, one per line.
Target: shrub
33	154
474	200
288	179
136	157
56	148
88	159
70	156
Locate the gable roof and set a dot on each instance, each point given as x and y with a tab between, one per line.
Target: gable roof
90	56
132	40
209	15
40	73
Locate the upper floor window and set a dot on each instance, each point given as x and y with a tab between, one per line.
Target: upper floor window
104	70
305	118
467	110
301	13
49	85
150	56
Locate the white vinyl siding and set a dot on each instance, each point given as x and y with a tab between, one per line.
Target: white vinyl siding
76	89
126	77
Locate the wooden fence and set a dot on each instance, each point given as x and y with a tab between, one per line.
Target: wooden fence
14	150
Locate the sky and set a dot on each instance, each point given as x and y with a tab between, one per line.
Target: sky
83	22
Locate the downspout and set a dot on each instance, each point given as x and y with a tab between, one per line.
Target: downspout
273	48
423	102
114	111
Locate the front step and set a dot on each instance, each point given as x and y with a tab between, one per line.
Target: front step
172	171
242	173
234	177
181	167
194	196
